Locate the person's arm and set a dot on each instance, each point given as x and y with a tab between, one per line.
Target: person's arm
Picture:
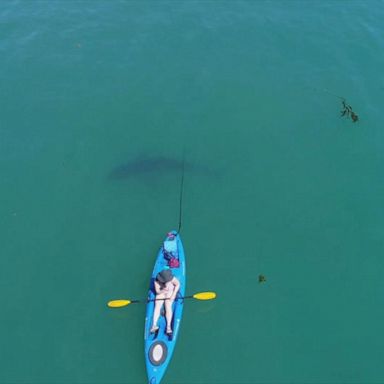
157	287
176	283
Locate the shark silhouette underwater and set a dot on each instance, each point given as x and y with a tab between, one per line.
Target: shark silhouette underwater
152	166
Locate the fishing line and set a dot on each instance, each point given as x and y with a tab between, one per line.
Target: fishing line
181	192
329	93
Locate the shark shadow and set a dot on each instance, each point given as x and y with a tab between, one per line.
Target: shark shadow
150	167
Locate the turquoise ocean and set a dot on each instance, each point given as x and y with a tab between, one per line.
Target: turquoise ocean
98	102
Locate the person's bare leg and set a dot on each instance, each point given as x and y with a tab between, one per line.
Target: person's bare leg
156	313
168	314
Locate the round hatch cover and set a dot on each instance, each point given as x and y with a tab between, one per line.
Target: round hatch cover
158	353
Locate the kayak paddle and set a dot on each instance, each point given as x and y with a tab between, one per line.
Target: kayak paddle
198	296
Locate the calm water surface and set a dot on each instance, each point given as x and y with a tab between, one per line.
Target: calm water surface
277	184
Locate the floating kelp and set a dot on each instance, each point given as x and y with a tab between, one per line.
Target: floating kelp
346	110
262	279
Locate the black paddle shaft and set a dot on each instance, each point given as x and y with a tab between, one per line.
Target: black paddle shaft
147	301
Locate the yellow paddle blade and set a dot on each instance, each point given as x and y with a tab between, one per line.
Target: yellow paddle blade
118	303
204	295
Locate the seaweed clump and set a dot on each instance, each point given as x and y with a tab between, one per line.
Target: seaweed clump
346	110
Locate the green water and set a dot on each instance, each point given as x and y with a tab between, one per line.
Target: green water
282	186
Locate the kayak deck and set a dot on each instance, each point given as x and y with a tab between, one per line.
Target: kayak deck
159	346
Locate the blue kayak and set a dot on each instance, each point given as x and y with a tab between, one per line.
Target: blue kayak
159	346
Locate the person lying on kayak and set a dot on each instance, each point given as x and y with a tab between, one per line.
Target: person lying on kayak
166	287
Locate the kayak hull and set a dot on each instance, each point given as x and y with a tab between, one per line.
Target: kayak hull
159	347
